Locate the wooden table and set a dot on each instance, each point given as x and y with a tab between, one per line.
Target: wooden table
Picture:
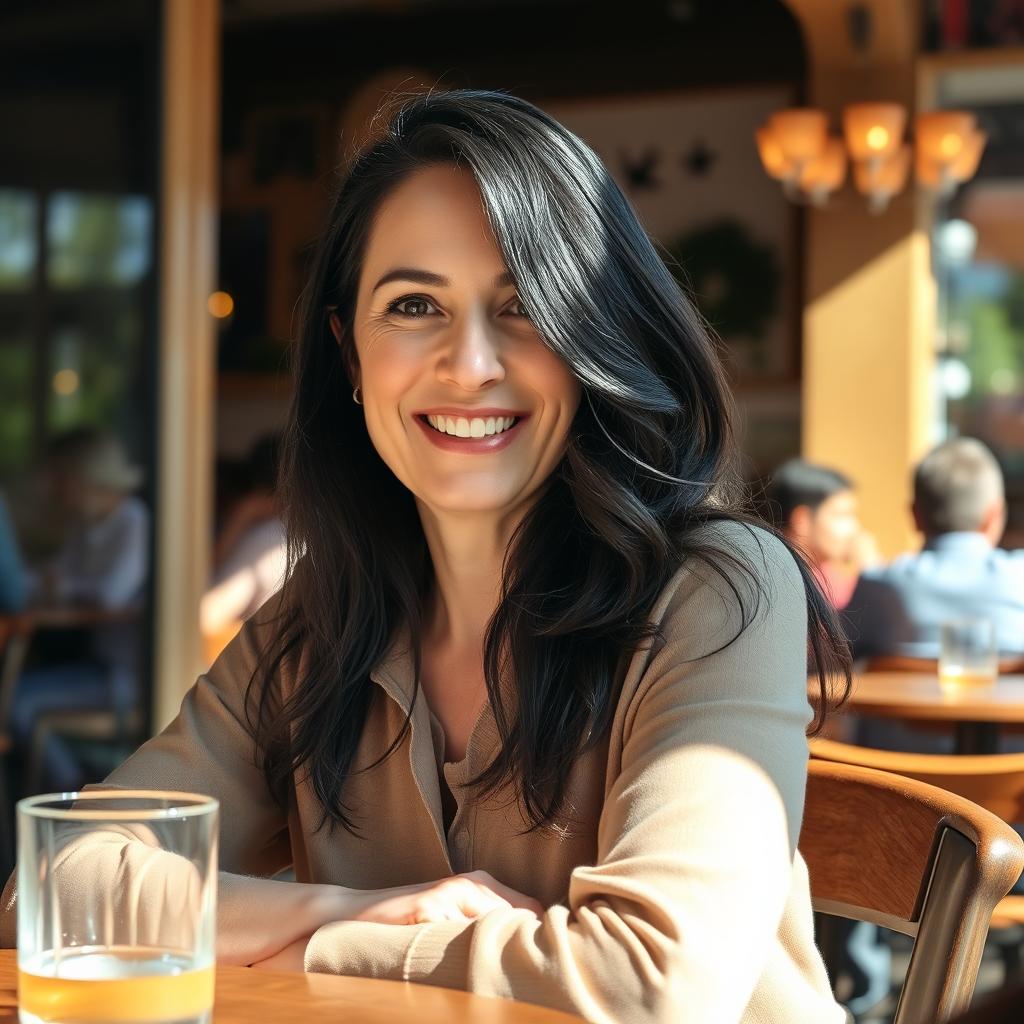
272	997
978	714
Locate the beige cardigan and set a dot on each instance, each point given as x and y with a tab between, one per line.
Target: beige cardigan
676	893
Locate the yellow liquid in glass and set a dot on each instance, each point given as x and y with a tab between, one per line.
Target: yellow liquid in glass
954	679
115	985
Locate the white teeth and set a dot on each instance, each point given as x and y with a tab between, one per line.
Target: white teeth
462	426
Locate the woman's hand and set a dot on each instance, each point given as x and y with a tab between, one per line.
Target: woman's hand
457	898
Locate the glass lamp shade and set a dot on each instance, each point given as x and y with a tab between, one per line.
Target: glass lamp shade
943	134
965	166
825	173
943	177
874	131
880	181
772	158
800	132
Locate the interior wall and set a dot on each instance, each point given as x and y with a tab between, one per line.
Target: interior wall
870	298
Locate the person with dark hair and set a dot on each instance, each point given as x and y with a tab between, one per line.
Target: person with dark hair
529	714
960	507
816	508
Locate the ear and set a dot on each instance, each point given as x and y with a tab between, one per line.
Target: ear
336	328
800	520
348	351
994	522
918	520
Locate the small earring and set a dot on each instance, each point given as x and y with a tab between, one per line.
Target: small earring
356	395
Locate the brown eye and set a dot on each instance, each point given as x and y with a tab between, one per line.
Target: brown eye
412	306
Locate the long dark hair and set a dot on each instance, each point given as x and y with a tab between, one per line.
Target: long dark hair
650	458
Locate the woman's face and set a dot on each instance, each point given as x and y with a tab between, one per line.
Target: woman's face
463	400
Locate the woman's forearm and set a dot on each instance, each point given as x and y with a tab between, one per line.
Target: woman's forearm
259	917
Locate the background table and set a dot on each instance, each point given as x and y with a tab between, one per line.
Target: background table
978	714
245	996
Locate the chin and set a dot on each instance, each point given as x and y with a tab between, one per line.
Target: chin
475	499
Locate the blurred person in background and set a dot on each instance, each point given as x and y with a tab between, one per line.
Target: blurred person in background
103	565
250	554
13	581
960	507
104	559
816	508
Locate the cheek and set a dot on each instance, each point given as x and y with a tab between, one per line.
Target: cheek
549	376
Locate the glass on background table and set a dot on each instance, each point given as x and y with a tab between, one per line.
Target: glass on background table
117	901
968	658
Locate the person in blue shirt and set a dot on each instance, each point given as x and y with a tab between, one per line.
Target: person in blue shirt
13	580
960	507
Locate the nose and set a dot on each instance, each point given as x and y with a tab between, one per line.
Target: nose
471	359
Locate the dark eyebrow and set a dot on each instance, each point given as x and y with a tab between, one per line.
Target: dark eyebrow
426	277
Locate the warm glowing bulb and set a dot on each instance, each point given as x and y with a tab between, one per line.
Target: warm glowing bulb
220	305
950	145
878	138
66	381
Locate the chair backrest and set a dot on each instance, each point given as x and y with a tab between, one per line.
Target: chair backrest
993	781
914	858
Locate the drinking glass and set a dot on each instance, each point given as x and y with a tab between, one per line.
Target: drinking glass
117	902
967	657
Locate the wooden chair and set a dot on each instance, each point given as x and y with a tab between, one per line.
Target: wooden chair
993	781
916	859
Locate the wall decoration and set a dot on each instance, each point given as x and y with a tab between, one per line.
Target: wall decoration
688	163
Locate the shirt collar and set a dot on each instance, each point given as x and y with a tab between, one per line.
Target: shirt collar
959	541
395	675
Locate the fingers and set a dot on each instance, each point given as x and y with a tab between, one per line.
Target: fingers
511	896
458	898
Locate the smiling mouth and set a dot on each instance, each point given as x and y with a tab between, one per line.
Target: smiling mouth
474	427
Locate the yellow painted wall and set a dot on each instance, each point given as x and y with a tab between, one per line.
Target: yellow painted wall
869	293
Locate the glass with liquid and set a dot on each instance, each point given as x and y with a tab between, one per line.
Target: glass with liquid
117	907
967	657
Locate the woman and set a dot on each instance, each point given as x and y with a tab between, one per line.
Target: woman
529	716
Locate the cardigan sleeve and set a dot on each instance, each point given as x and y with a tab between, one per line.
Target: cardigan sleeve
677	918
207	749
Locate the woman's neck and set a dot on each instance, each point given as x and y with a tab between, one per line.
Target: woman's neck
467	553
